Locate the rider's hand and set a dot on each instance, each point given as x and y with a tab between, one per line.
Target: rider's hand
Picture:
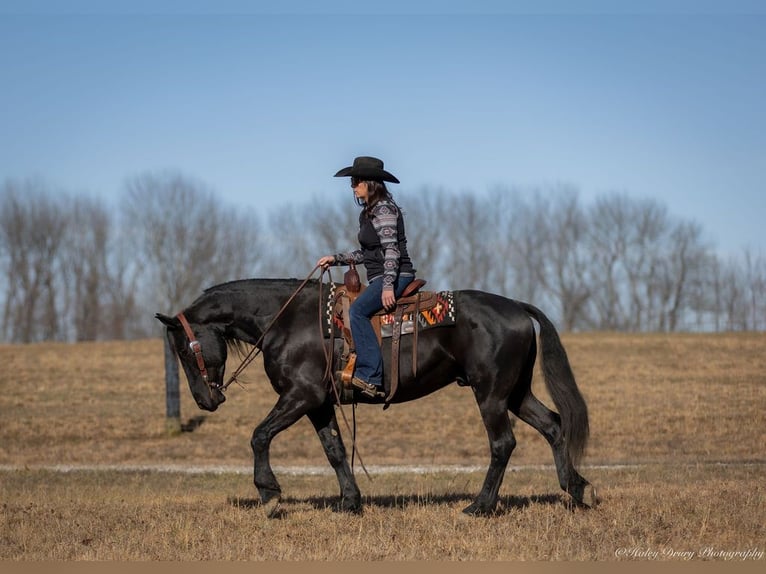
326	261
388	299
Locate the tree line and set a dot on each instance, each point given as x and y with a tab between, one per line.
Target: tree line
75	268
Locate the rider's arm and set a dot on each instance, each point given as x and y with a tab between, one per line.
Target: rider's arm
356	257
384	220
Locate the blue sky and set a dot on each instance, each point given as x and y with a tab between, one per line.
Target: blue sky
265	101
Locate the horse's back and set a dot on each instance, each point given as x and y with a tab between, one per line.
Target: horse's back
492	312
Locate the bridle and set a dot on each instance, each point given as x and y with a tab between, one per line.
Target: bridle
196	348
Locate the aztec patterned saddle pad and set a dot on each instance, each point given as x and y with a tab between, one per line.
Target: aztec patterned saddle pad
439	313
433	309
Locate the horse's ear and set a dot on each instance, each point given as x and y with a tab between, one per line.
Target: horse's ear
169	322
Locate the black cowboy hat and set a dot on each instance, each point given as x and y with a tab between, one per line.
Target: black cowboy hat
367	168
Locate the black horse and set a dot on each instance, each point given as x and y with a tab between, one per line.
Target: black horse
492	347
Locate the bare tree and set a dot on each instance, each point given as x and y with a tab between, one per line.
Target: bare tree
84	264
680	269
468	242
649	267
523	233
737	292
755	288
642	260
565	271
733	300
609	232
425	212
185	239
32	226
732	296
122	318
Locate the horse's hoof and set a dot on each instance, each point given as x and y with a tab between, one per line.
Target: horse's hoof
271	507
588	497
352	509
350	505
476	509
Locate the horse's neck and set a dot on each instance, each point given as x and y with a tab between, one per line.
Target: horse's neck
252	310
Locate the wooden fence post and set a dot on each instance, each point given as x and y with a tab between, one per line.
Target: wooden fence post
172	393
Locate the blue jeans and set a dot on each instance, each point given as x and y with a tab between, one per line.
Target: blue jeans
369	359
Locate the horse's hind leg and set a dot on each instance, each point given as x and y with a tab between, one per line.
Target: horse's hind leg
501	444
548	423
326	425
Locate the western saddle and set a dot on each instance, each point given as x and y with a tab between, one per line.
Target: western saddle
412	301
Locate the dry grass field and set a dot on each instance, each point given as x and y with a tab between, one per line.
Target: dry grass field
682	414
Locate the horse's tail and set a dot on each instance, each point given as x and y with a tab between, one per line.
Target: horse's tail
560	382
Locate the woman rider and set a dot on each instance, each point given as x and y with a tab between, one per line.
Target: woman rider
383	252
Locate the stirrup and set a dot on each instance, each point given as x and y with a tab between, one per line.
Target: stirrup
367	388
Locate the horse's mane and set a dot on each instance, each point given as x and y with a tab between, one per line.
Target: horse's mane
245	284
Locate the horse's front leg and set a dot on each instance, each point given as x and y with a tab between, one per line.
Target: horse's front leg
326	425
285	413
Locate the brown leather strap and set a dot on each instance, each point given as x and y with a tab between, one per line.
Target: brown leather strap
348	371
395	341
376	326
415	317
413	287
194	345
347	340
